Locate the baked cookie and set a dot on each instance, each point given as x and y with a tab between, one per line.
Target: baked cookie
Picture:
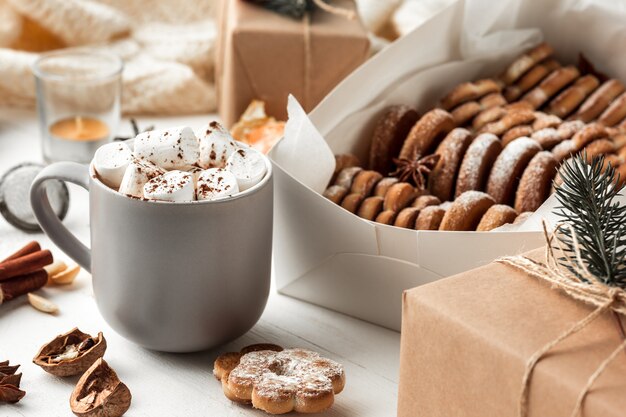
389	135
567	129
615	113
406	218
599	100
465	112
352	202
569	100
588	134
544	120
426	134
451	151
534	186
280	382
512	118
364	182
466	211
525	62
492	100
516	132
429	218
488	116
399	196
346	176
335	193
424	201
386	217
522	217
342	161
598	147
547	138
469	91
496	216
370	207
552	84
477	162
383	185
564	150
509	167
530	79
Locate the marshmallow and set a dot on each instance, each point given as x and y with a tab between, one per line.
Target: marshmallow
216	145
215	183
171	186
111	161
174	148
248	166
138	173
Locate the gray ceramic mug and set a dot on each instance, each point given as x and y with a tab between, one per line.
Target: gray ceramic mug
175	277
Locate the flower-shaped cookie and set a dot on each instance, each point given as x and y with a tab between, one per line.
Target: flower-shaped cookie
280	381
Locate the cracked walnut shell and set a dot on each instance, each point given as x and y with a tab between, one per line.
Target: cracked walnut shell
71	353
100	393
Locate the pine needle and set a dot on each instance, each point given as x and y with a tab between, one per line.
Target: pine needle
587	198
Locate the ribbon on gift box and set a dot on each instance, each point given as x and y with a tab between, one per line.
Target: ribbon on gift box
575	280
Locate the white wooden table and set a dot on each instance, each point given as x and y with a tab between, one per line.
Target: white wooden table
174	384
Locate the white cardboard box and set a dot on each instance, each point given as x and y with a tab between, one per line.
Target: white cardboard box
328	256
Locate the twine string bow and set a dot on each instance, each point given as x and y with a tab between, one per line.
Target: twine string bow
569	274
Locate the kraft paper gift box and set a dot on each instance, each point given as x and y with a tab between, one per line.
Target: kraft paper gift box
466	341
264	55
332	258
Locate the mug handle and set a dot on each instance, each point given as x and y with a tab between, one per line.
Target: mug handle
65	171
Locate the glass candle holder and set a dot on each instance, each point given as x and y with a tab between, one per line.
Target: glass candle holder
78	102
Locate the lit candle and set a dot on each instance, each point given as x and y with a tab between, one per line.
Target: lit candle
80	128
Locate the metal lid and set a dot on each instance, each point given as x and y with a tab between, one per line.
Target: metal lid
15	196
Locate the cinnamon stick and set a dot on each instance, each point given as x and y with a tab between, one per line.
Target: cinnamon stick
21	285
29	248
25	264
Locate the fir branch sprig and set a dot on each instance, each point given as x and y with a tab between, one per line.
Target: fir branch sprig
587	198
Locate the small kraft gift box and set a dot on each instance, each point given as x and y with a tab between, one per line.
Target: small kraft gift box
535	335
265	55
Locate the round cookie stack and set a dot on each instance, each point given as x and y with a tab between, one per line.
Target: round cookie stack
489	154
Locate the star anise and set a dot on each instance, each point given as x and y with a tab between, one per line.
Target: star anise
416	170
10	391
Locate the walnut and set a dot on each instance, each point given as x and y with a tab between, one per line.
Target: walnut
100	393
71	353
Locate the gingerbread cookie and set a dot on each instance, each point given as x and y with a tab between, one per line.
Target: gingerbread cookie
370	207
567	101
552	84
515	133
352	202
564	150
477	163
451	150
567	129
386	217
364	182
280	382
525	62
488	116
429	218
383	186
512	118
547	138
426	134
389	135
469	91
599	100
465	112
492	100
466	211
588	134
399	196
346	176
406	218
522	217
424	201
544	120
336	193
615	113
497	215
530	79
598	147
534	186
508	168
